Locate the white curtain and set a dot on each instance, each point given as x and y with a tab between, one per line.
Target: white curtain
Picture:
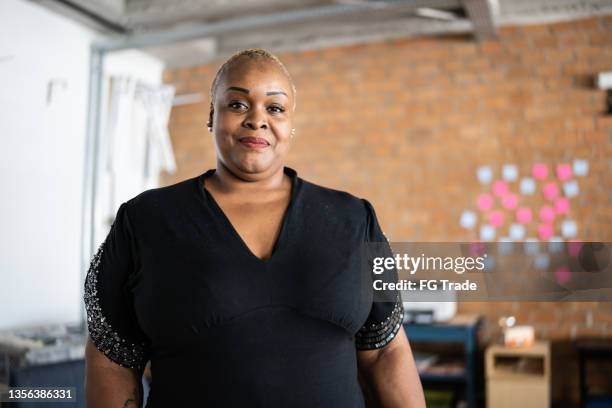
134	145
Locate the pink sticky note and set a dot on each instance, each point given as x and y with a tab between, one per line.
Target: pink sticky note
564	171
545	231
547	214
563	274
477	249
500	188
550	190
485	202
509	201
574	247
539	171
523	215
496	218
562	205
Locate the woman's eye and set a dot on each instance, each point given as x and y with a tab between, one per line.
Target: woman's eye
276	109
236	105
241	106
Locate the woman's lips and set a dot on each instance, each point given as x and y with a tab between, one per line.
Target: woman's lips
254	142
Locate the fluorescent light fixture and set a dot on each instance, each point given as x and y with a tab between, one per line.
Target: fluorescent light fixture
436	14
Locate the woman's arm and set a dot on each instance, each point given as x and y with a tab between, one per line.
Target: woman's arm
109	385
389	377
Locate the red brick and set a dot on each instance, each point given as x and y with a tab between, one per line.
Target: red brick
604	122
580	124
493	47
563	27
465	50
603	38
547	41
558	56
573	40
577	68
598	137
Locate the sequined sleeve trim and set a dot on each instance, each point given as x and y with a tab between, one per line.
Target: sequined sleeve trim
102	333
377	335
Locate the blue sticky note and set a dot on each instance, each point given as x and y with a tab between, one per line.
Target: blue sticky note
581	167
527	186
510	172
504	246
541	261
571	188
487	232
485	174
468	219
517	232
532	246
555	245
569	229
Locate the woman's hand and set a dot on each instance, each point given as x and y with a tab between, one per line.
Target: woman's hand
388	376
108	384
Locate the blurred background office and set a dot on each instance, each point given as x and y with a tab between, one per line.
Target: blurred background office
459	120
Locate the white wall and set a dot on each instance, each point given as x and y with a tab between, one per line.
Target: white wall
41	166
42	161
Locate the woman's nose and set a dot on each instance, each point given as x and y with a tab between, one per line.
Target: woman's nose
255	120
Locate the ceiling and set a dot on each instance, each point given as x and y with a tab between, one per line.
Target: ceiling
189	32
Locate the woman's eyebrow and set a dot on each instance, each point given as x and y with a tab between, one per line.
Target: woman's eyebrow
276	93
246	91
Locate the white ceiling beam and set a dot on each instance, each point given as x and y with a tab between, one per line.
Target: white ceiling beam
244	24
105	17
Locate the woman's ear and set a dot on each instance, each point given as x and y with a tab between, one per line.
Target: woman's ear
210	118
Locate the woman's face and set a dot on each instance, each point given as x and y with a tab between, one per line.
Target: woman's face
252	118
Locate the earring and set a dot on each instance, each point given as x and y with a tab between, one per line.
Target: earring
292	133
209	125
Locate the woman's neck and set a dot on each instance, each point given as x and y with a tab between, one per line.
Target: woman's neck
227	182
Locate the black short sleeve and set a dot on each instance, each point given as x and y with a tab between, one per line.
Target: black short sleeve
386	315
111	320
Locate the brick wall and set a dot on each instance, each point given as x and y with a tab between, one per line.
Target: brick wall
406	124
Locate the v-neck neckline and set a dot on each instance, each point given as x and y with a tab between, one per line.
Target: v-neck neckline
207	195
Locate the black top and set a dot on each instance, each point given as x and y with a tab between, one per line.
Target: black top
175	284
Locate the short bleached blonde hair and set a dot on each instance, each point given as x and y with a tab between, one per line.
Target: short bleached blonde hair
257	54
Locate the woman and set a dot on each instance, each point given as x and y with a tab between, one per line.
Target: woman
242	286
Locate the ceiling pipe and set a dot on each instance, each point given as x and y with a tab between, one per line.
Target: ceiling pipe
253	22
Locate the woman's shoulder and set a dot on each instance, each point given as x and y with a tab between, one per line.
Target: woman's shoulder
161	199
338	200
